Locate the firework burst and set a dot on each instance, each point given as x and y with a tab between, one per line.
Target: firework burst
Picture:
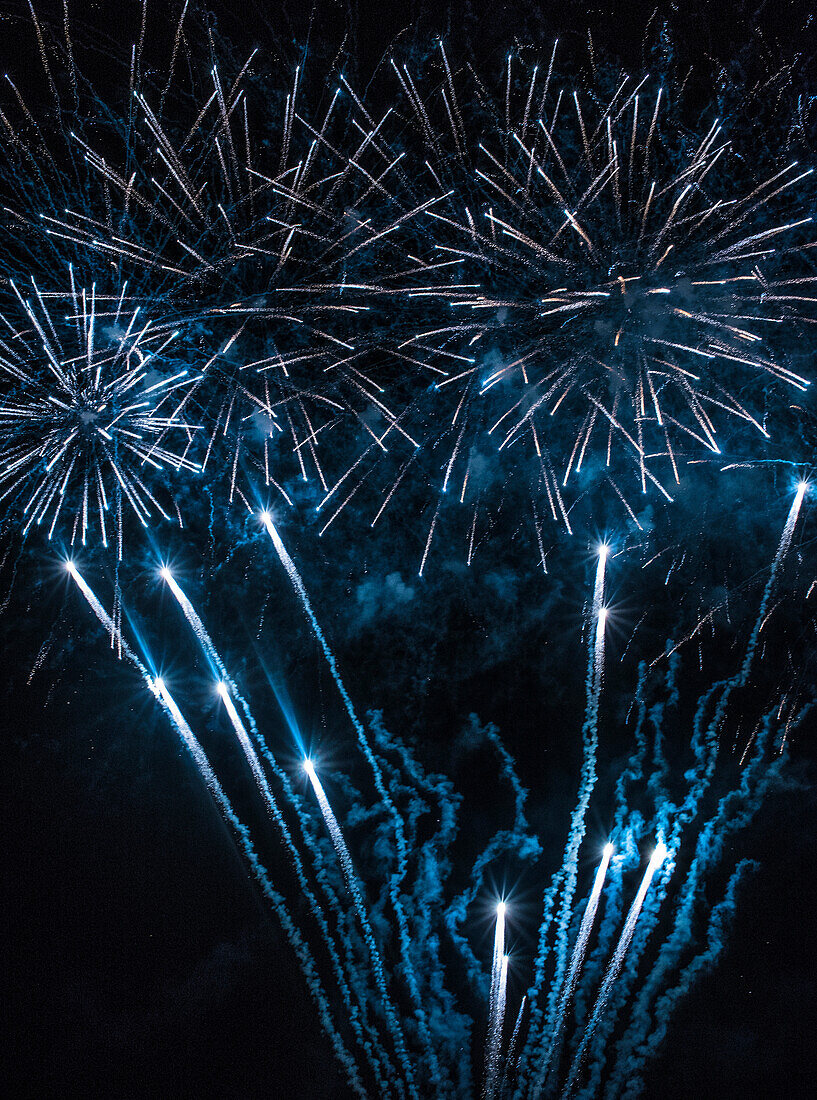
91	412
540	288
599	297
256	245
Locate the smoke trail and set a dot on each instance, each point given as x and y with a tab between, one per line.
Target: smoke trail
669	819
159	690
629	827
399	834
616	963
358	1015
720	918
431	798
595	667
555	1027
785	542
705	745
734	811
360	907
510	1061
705	741
596	1057
518	840
564	882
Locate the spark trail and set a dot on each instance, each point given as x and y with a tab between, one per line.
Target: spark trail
782	550
556	1024
615	965
595	668
354	997
496	1004
360	908
399	830
159	690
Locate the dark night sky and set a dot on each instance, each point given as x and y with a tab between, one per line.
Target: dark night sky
140	960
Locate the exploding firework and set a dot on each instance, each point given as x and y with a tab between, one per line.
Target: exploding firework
245	220
599	296
457	310
90	415
258	248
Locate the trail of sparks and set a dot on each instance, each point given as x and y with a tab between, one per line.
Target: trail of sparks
556	1024
614	967
496	1005
399	831
360	907
358	1016
159	689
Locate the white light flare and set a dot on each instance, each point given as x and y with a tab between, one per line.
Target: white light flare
576	962
782	550
599	613
598	589
247	748
586	925
190	740
614	967
357	897
794	511
496	1003
333	826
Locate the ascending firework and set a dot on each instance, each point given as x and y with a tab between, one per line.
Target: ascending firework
393	963
90	412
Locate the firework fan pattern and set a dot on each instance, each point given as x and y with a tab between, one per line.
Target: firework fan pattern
462	309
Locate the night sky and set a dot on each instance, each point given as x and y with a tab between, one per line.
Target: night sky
140	957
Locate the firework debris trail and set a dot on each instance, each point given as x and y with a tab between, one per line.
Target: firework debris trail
514	210
616	963
576	961
358	1010
399	830
159	690
360	907
782	549
564	882
734	810
496	1004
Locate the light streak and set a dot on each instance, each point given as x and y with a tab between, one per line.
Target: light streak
617	961
579	950
496	1004
360	908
